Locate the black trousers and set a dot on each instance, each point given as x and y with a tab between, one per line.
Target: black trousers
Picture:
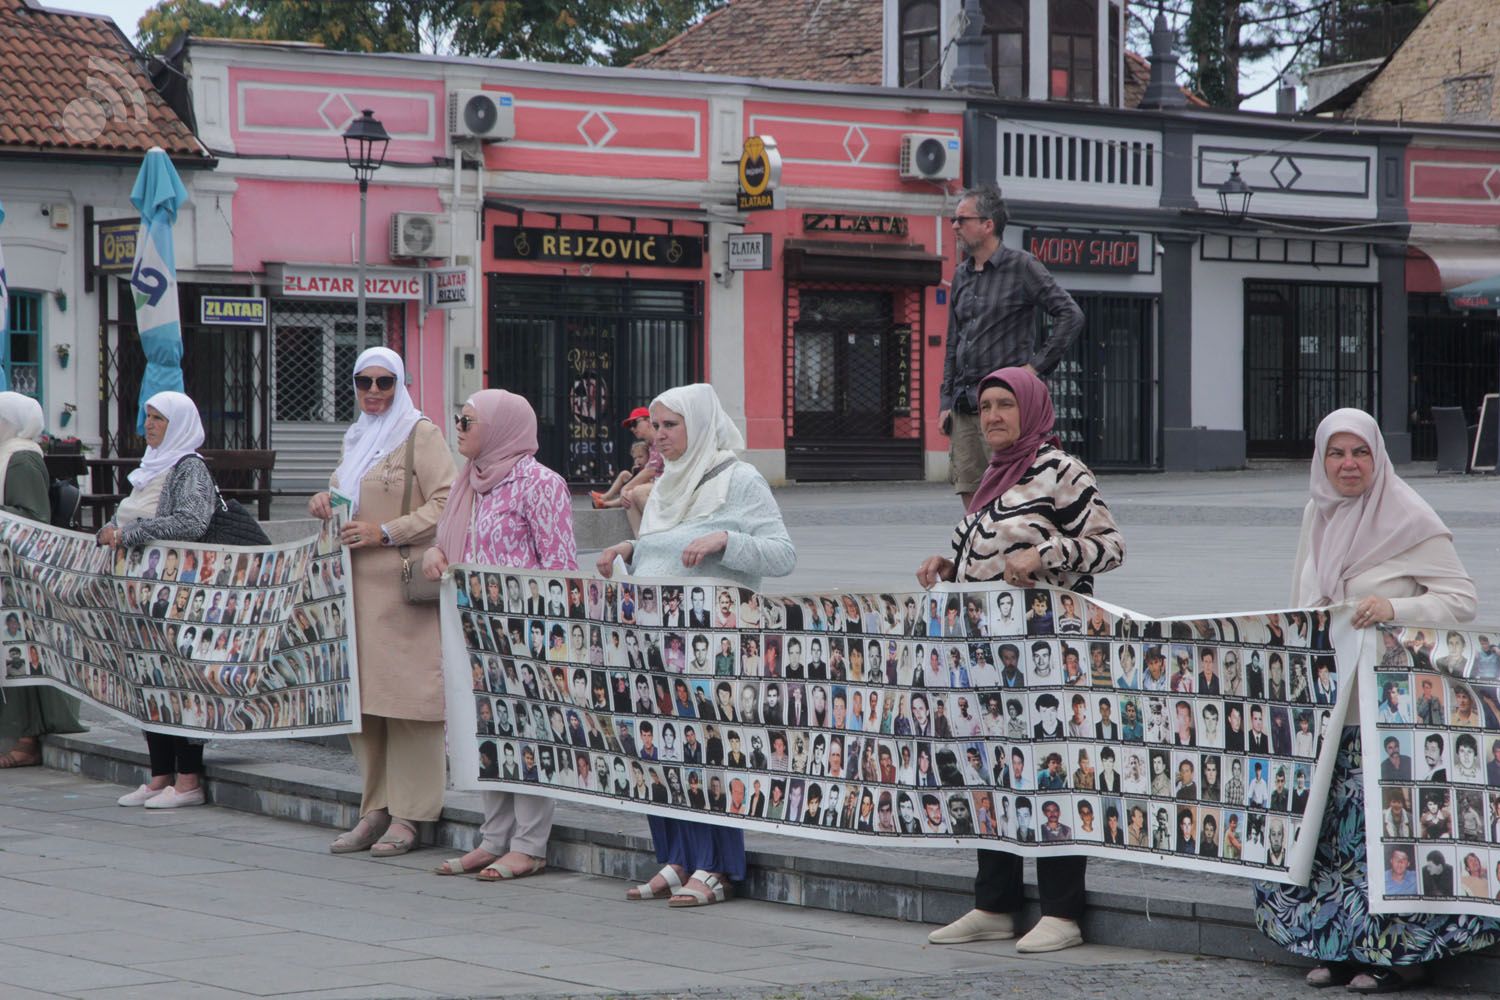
174	754
998	886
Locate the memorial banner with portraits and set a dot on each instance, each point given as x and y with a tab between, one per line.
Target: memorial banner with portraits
1430	731
211	641
968	716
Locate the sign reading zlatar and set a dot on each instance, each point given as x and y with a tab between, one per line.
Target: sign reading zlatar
586	246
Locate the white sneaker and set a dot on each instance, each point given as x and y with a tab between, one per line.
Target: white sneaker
976	925
140	796
171	798
1051	934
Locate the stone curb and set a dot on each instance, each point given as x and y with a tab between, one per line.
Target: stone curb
1123	919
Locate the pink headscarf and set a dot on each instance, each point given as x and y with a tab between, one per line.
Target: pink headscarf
1351	534
507	434
1008	465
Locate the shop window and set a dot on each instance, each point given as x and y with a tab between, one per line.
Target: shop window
920	45
1005	45
23	365
1072	47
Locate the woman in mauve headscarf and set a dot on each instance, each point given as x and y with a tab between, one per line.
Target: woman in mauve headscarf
28	713
1036	519
505	509
1370	543
399	747
710	514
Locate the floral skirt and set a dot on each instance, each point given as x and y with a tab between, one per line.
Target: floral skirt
1329	920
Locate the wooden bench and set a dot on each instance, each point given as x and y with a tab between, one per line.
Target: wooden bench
243	474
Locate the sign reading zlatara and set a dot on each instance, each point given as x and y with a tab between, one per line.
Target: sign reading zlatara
586	246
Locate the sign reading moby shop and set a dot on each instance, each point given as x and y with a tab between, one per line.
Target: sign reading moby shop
1101	253
587	246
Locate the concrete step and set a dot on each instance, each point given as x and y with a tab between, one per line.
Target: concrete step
1129	905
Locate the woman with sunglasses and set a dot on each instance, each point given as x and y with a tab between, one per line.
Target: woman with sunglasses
400	749
506	509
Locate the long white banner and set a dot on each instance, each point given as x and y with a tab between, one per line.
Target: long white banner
222	642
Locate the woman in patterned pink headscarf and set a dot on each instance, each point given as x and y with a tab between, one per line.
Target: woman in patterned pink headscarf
505	509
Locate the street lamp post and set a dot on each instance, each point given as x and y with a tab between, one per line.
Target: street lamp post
364	147
1235	194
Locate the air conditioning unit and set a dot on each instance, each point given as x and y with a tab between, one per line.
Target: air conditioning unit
481	114
420	234
928	157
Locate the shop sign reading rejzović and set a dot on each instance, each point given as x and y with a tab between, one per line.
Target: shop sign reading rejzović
586	246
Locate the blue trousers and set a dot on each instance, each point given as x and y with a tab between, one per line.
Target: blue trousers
707	846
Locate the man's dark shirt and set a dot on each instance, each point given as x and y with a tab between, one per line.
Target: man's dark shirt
992	320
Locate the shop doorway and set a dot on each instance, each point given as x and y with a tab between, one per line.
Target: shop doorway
1309	349
586	352
1104	390
1455	359
854	412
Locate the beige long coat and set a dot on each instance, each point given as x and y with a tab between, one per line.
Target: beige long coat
400	654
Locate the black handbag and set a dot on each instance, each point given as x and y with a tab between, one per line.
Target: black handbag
233	524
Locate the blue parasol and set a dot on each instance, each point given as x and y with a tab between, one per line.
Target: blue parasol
157	195
4	319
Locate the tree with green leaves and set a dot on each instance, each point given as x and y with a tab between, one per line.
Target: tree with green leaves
602	32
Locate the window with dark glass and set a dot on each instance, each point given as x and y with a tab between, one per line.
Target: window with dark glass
1005	45
23	363
920	45
1072	47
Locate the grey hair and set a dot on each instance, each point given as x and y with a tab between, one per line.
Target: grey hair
988	204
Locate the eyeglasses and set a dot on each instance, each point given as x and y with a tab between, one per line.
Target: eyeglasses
464	422
381	382
961	219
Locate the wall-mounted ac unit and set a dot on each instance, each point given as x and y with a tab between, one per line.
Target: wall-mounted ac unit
481	114
420	234
927	157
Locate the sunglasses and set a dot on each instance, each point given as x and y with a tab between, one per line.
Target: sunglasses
381	382
463	421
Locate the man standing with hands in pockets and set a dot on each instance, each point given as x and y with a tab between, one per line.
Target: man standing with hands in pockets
991	325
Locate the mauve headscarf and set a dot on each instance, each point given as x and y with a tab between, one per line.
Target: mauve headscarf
1008	465
507	434
1351	534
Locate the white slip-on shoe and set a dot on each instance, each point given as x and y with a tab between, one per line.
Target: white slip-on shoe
171	798
1051	934
976	925
140	796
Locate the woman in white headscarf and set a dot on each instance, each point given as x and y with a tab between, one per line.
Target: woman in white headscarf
710	514
28	713
400	746
171	499
1372	545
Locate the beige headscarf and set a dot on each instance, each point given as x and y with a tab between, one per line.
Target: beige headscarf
680	493
21	422
1352	534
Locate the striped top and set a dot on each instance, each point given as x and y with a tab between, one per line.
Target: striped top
1056	509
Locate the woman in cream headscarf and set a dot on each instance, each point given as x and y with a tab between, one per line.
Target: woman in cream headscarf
1370	544
710	514
171	499
400	746
29	713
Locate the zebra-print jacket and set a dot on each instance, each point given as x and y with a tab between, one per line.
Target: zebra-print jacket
1057	510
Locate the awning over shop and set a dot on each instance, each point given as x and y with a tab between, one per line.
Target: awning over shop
1468	269
1481	294
827	260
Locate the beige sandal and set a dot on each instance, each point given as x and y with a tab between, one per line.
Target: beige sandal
351	841
394	845
496	872
718	891
455	866
668	874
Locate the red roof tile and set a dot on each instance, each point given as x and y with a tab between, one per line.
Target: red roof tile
69	82
829	40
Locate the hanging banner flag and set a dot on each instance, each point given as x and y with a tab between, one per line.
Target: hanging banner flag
4	318
158	195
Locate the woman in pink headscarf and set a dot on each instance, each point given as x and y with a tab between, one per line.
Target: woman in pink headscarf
505	509
1372	545
1037	518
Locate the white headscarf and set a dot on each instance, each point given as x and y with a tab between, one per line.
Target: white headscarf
1352	534
369	439
184	437
679	493
21	422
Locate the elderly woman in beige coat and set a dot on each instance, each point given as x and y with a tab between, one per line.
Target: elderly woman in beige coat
400	746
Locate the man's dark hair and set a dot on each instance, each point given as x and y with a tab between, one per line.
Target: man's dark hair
988	204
